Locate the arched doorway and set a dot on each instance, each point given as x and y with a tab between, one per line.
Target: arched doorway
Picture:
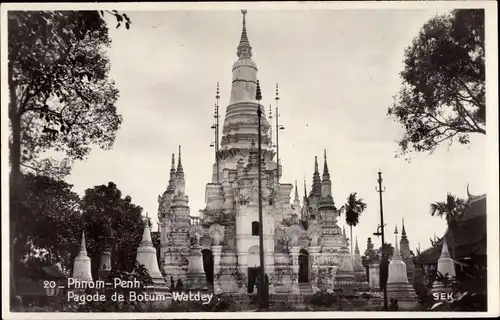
208	265
303	266
253	265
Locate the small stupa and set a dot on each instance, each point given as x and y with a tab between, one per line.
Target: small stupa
81	267
359	270
146	255
398	287
446	268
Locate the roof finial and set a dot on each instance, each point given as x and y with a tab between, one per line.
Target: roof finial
173	162
179	163
244	48
403	231
325	167
277	92
316	170
305	187
296	191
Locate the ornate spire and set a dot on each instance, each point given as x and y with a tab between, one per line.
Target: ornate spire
403	231
356	247
296	192
244	48
180	170
305	188
316	185
326	174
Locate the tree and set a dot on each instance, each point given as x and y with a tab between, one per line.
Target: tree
443	93
451	209
112	221
353	209
60	97
49	218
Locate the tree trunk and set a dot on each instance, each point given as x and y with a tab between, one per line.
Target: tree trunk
15	162
352	254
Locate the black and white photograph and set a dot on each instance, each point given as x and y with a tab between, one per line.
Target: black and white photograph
217	159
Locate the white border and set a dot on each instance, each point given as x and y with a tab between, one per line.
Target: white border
492	157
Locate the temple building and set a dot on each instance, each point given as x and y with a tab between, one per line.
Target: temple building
305	249
465	243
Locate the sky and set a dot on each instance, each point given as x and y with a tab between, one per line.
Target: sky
337	71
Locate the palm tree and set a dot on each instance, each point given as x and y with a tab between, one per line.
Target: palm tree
353	209
451	210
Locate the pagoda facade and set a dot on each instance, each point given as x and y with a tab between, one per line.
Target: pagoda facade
305	249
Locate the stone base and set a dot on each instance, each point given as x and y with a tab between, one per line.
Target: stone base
404	294
196	281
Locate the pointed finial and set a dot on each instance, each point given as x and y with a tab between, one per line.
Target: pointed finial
173	162
277	92
270	112
83	246
217	93
258	94
179	162
396	230
403	231
444	250
296	191
325	167
244	48
305	187
316	170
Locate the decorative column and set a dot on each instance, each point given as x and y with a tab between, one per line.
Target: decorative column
196	278
314	233
216	231
293	233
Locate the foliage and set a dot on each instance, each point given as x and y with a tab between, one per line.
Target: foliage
443	93
49	217
451	209
61	96
353	209
114	221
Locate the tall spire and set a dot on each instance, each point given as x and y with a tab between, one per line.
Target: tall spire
326	174
296	191
316	168
244	48
356	248
180	170
305	188
316	185
271	127
403	231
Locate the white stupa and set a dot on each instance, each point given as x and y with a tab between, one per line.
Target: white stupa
146	255
446	267
81	266
398	286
